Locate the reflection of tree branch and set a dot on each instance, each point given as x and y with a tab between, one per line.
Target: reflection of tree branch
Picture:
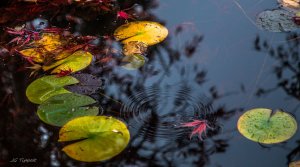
192	152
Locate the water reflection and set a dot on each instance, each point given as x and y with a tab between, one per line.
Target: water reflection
181	92
159	111
287	72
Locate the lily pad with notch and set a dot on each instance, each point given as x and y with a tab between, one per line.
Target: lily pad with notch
43	88
278	20
75	62
88	84
148	32
62	108
101	138
266	126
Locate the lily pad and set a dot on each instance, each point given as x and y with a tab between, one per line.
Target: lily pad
88	84
133	62
75	62
276	21
134	47
294	164
48	86
59	109
264	126
48	43
147	32
101	138
290	5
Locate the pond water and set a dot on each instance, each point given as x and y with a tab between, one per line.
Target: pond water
215	64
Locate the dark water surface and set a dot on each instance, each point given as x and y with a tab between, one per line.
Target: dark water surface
215	64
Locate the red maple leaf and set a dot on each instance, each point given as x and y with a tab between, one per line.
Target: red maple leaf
200	127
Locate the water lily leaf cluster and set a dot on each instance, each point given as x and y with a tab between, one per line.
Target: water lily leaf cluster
101	137
266	126
136	37
95	138
49	51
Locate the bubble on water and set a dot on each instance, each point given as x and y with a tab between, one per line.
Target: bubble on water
39	24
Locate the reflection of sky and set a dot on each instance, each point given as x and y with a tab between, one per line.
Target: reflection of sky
228	54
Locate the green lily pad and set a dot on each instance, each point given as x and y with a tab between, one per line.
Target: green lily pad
75	62
101	138
133	62
264	126
60	109
48	86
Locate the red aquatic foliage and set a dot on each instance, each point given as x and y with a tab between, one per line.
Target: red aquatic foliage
24	36
296	20
63	73
123	15
200	127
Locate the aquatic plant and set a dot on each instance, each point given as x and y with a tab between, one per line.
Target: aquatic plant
101	138
200	128
75	62
294	164
147	32
136	37
43	88
59	109
266	126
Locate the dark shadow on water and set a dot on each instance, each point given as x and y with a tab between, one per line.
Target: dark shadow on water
153	100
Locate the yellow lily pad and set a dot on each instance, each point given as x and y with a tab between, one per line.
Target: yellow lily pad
101	138
35	54
75	62
290	5
294	164
264	126
147	32
134	47
49	42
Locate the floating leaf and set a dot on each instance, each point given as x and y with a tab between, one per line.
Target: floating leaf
59	109
134	47
276	21
264	126
48	43
147	32
75	62
88	84
47	86
294	164
133	62
35	54
290	5
101	138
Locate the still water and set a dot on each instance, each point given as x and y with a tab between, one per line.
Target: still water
214	65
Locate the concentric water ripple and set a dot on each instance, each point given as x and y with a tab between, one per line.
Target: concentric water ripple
157	112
